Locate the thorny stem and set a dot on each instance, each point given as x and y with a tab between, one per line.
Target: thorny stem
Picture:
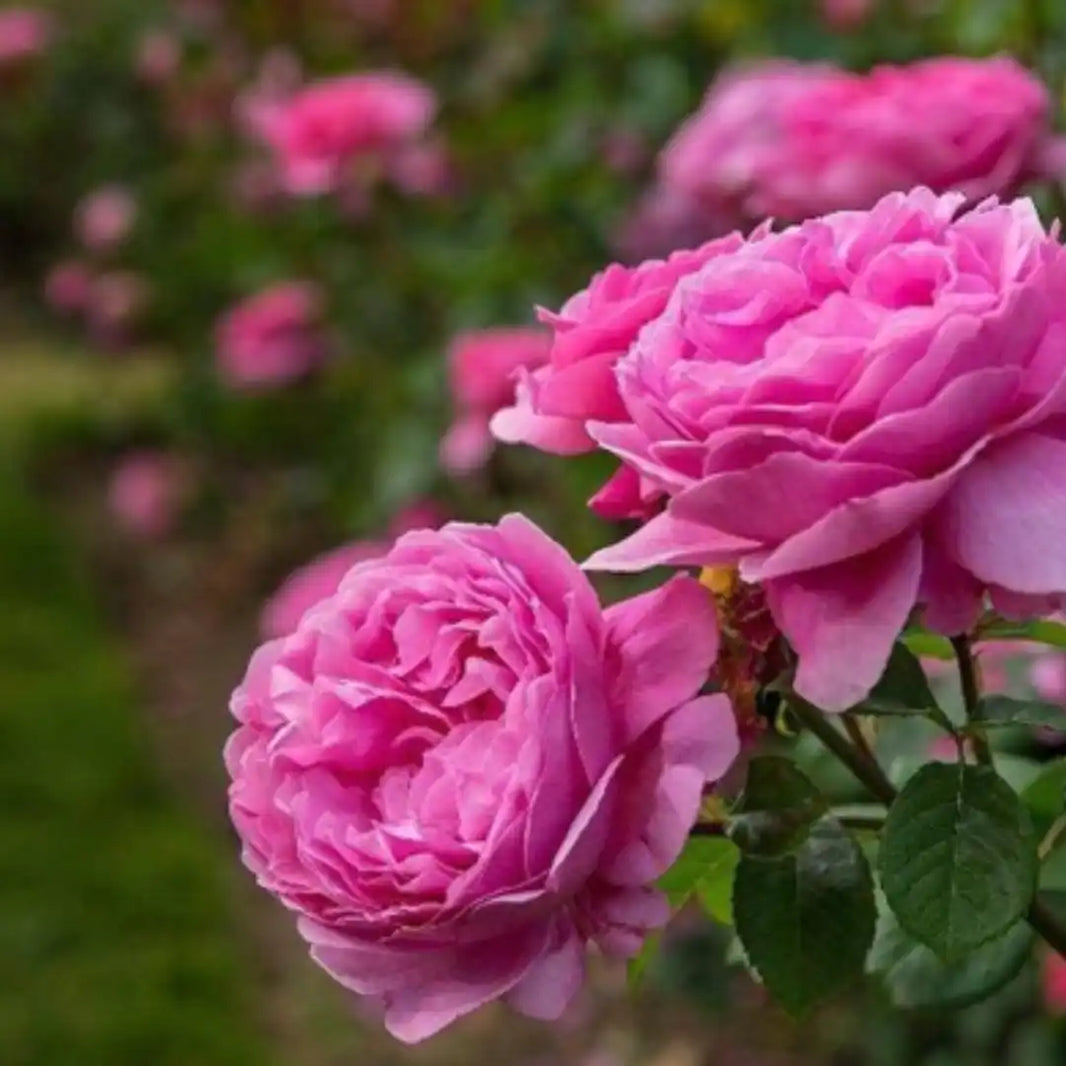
971	695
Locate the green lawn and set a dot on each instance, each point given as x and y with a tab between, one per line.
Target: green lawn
117	940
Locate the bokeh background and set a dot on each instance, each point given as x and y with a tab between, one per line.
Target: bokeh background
154	497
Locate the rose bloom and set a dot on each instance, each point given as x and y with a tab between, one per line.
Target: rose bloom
145	493
483	366
272	338
68	287
791	140
846	15
117	300
24	33
158	56
319	579
577	385
1055	984
460	770
866	413
103	220
321	131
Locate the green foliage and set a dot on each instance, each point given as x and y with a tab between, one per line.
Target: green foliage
117	936
916	977
902	689
777	809
957	858
704	873
806	918
993	711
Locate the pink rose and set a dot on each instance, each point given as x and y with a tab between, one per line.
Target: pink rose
319	579
68	287
483	368
846	15
1055	984
272	338
105	217
146	492
24	33
320	132
460	770
592	332
866	413
793	140
158	57
118	298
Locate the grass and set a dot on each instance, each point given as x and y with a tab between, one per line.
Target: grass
117	944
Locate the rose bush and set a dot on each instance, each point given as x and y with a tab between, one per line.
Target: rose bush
459	770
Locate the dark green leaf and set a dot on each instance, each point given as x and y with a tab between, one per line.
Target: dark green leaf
916	978
1045	797
1005	711
806	920
903	688
1042	631
778	807
958	858
704	871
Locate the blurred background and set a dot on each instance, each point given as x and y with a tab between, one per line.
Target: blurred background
216	366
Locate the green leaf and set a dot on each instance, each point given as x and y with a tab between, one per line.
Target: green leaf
704	872
1045	797
777	809
916	978
1042	631
958	858
903	688
928	645
1005	711
637	970
806	920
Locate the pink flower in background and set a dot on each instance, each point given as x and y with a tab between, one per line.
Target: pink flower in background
460	770
258	105
311	584
555	402
866	413
24	33
422	169
272	338
1055	984
158	57
104	219
791	140
322	130
483	367
146	492
846	15
117	300
320	578
68	287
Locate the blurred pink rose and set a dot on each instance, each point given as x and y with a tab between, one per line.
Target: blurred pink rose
459	770
846	15
791	140
1055	984
68	287
322	130
662	221
483	367
320	578
24	33
158	56
258	105
865	413
104	218
594	329
272	338
421	169
146	493
117	300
